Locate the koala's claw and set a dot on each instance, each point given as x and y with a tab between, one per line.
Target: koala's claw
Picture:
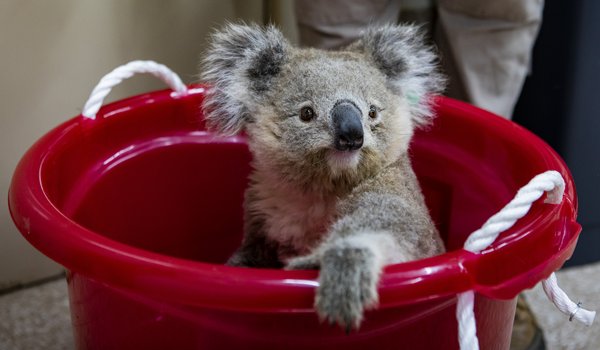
347	287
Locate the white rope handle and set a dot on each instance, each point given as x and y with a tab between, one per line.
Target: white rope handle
94	102
467	337
565	304
551	182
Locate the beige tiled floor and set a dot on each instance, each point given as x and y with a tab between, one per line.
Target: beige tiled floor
38	318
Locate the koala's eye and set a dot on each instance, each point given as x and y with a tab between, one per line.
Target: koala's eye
307	114
372	112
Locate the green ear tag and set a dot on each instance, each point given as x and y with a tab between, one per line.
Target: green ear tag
412	98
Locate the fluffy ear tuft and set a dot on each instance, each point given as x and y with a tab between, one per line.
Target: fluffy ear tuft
238	68
410	66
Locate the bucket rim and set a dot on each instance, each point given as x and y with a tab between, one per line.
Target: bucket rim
190	282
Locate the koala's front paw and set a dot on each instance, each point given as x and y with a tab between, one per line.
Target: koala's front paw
347	285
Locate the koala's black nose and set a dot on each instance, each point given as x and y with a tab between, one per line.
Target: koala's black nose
347	126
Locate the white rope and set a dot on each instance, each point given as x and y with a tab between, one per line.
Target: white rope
551	182
465	316
566	305
94	102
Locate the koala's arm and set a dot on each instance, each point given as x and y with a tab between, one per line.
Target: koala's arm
383	221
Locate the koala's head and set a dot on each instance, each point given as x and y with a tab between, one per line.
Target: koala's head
320	118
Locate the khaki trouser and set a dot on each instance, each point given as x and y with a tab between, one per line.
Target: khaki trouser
485	45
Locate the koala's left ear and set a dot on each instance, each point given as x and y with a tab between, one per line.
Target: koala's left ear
411	67
239	66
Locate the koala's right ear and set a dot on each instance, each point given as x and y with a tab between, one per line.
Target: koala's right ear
239	66
411	66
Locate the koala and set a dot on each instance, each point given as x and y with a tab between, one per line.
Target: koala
332	187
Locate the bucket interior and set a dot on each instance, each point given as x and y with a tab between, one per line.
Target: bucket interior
152	178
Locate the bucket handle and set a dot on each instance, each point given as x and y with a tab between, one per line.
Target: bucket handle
115	77
552	183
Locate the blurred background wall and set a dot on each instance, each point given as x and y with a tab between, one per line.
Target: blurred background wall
52	53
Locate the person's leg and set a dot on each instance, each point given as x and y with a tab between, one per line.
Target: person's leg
335	23
486	48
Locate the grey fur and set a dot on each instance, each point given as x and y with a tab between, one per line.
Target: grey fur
239	64
309	205
347	266
401	53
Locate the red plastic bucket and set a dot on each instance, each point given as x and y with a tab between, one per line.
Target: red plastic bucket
142	207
